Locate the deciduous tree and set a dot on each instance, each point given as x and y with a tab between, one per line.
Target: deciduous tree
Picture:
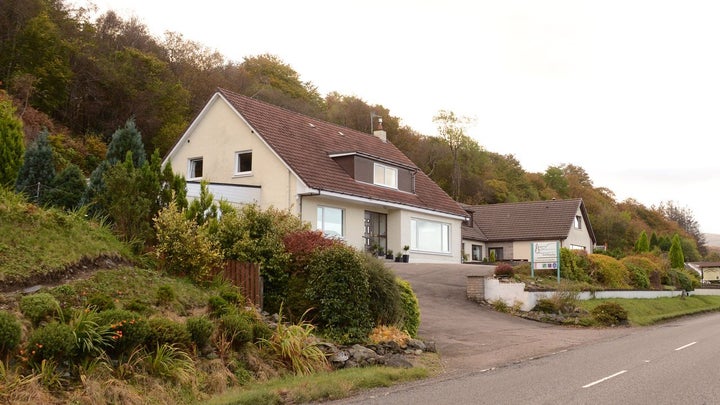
12	145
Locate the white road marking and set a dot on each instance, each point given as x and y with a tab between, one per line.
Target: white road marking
685	347
604	379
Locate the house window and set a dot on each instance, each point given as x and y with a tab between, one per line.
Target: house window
429	236
330	221
243	162
195	168
576	247
578	222
476	253
385	176
497	252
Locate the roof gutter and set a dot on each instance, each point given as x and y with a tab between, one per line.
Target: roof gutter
367	200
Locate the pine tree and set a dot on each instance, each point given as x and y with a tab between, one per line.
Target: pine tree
67	189
677	259
654	241
37	172
642	244
12	145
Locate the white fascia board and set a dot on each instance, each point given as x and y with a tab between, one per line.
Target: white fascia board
390	204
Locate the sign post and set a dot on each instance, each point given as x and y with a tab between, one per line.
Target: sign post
545	256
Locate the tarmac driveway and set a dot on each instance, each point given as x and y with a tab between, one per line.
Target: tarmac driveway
470	336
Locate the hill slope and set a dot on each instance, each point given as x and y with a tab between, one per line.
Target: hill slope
37	245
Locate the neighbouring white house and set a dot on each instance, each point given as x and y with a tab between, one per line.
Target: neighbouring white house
509	229
347	183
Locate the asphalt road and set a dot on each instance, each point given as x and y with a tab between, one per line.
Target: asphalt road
675	363
472	337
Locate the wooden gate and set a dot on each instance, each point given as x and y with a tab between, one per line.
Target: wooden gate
247	277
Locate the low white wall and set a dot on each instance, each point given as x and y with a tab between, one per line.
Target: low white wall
513	294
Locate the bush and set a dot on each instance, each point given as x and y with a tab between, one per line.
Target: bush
165	295
608	271
218	306
504	270
10	332
39	307
385	302
166	331
183	248
339	290
295	346
231	294
200	329
574	264
638	278
129	329
101	302
411	309
683	280
641	267
53	341
561	302
609	314
238	326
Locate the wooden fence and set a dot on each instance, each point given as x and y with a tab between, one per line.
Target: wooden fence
247	277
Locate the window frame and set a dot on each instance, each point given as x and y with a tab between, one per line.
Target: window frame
445	236
385	170
238	155
321	223
192	168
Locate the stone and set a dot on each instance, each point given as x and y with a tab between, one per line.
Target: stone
397	361
361	353
416	344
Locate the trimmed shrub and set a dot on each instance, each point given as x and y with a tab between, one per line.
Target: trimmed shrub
683	280
166	331
165	295
609	314
239	326
101	302
608	271
129	329
200	329
10	332
411	309
638	277
561	302
39	307
218	306
339	290
504	270
574	264
53	341
385	302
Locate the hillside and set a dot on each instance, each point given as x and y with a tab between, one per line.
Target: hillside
39	245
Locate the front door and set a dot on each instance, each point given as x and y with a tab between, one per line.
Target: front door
375	231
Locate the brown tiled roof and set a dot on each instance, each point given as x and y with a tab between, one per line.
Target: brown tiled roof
534	220
305	143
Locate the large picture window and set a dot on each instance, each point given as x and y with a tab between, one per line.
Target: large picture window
385	176
195	168
243	162
330	221
429	236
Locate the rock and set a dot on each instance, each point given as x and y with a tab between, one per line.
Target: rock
341	356
397	361
362	354
430	347
416	344
32	289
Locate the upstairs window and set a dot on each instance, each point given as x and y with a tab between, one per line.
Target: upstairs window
578	222
385	176
243	162
195	168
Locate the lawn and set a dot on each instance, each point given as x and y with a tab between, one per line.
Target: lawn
643	312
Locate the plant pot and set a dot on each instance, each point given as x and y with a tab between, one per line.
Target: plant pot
389	257
398	259
406	258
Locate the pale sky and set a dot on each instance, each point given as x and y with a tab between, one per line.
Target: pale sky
628	90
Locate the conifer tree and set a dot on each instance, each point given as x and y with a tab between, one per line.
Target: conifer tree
642	244
654	241
677	258
67	188
12	145
37	172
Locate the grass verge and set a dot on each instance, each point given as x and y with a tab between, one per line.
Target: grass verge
643	312
326	386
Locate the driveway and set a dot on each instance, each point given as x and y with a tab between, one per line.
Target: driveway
470	336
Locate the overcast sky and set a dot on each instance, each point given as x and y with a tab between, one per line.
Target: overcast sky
628	90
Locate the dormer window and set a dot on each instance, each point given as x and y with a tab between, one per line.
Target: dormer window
385	175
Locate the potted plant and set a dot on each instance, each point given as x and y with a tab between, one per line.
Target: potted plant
389	254
406	255
380	251
398	257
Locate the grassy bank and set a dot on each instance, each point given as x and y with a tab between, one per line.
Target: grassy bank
643	312
36	242
324	386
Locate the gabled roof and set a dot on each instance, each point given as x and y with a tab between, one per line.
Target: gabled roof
305	144
534	220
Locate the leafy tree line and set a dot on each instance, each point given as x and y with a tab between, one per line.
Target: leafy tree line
90	76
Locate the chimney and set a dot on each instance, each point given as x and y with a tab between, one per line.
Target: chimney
380	132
